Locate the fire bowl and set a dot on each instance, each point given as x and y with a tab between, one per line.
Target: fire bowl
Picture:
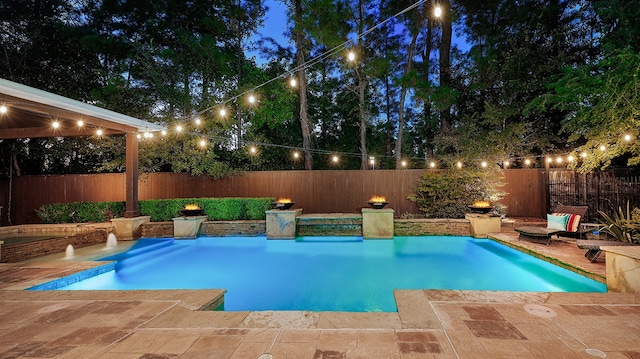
283	206
377	205
191	212
475	209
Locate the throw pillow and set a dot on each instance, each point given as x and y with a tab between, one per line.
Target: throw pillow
558	222
573	221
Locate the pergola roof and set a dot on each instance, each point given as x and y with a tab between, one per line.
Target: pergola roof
31	113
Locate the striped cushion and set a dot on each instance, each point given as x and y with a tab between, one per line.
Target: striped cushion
572	222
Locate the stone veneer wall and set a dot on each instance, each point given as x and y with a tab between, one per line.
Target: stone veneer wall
403	227
234	228
438	226
23	251
157	229
208	228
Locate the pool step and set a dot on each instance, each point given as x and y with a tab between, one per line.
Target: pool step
146	248
334	224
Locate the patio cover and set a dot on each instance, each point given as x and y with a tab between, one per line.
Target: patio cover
31	113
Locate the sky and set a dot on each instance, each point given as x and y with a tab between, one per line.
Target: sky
275	25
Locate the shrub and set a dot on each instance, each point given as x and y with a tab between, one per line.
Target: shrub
80	212
446	194
623	225
160	210
256	207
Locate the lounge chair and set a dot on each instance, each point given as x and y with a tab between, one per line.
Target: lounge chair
593	247
534	233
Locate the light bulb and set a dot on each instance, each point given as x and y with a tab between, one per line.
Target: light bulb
437	12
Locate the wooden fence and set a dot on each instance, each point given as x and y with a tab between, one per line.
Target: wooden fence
313	191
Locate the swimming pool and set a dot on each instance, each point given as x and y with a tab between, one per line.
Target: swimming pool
330	273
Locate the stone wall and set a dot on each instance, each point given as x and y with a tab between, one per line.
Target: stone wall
439	227
233	228
23	251
208	228
157	229
403	227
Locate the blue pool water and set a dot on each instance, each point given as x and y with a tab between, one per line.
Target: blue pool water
330	274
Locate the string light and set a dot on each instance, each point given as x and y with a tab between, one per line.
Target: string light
583	155
223	112
198	121
138	136
56	124
178	128
99	132
293	82
437	12
252	99
335	159
527	162
627	137
253	150
432	164
3	109
559	159
351	56
505	164
603	148
459	164
570	158
296	155
483	164
80	123
203	143
403	163
164	132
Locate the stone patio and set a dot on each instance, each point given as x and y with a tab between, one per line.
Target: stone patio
428	324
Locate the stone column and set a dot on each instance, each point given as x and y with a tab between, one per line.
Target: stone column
377	223
481	225
282	224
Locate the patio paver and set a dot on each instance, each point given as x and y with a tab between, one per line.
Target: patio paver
429	323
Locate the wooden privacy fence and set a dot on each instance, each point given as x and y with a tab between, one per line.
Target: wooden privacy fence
313	191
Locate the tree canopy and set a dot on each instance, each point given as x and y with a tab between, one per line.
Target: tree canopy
523	81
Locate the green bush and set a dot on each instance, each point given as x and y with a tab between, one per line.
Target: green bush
160	210
80	212
257	206
446	194
623	225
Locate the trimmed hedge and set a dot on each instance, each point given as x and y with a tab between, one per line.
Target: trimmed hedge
160	210
80	212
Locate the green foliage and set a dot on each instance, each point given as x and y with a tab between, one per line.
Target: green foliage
623	225
160	210
257	206
446	194
80	212
224	209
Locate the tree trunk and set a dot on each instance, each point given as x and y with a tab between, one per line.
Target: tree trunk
363	121
240	56
445	65
403	95
302	88
362	86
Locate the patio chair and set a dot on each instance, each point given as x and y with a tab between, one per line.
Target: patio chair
534	233
593	247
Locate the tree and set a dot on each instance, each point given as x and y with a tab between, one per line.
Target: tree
600	97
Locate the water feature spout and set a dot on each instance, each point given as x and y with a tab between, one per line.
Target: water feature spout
112	241
69	252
